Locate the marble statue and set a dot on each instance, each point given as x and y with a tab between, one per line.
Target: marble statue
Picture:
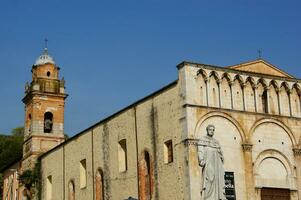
212	162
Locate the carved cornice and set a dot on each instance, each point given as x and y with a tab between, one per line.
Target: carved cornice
297	151
247	147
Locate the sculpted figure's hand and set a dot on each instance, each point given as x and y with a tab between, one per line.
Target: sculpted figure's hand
202	163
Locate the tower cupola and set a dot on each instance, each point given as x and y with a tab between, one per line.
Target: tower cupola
44	58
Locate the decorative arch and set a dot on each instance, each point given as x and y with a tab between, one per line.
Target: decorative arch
224	115
297	87
263	82
273	153
274	84
201	81
279	123
285	85
215	75
239	78
226	76
289	180
251	81
273	97
203	73
213	89
225	91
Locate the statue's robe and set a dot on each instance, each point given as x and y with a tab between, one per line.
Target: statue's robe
211	160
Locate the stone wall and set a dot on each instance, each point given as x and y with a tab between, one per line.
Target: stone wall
145	126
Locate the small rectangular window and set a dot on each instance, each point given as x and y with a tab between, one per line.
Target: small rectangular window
168	152
49	188
83	173
122	155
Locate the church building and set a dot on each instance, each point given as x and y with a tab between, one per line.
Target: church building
148	150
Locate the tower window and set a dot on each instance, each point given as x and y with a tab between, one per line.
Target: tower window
168	152
48	73
122	155
83	173
48	122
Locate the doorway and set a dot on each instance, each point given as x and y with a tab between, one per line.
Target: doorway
275	194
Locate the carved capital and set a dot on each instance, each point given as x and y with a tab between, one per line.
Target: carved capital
267	88
247	147
297	151
190	142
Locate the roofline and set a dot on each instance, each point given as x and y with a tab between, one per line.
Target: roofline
206	66
262	60
111	116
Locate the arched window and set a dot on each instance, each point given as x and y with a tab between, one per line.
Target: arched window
71	191
99	185
48	122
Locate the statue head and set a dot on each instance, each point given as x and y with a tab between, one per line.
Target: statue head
210	130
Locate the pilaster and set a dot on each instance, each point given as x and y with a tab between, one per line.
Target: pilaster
297	155
249	176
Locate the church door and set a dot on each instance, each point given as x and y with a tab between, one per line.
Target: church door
275	194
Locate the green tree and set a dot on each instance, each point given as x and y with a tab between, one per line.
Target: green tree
10	150
18	131
1	185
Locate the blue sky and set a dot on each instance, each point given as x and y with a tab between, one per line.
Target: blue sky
112	53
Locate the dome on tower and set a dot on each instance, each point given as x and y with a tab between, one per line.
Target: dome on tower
44	58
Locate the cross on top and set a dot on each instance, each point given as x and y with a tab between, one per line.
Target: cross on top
259	53
46	43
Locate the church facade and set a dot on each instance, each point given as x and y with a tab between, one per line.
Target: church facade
148	150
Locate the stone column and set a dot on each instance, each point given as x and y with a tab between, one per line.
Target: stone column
231	90
255	98
290	102
297	155
268	100
219	93
249	176
243	86
278	100
207	98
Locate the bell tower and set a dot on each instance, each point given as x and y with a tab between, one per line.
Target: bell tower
44	110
